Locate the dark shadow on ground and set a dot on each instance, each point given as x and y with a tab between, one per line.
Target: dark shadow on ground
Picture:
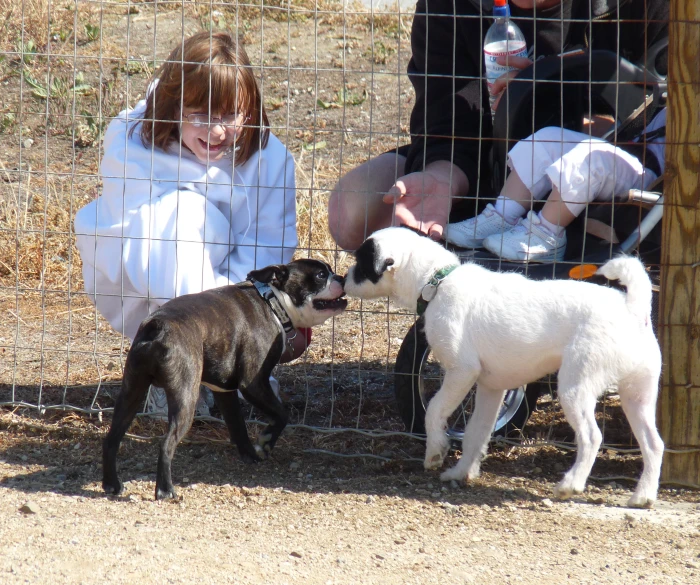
61	453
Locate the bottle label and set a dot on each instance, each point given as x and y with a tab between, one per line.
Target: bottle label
497	49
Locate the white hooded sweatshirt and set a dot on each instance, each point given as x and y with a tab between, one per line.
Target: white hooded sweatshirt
167	224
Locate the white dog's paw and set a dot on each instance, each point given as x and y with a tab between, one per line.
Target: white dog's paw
453	473
461	472
436	451
433	461
562	493
641	500
567	488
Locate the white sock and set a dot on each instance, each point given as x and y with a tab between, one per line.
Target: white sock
552	228
509	209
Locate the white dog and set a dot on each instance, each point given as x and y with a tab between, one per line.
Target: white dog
502	330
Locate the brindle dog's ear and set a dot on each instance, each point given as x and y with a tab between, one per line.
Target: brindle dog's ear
275	275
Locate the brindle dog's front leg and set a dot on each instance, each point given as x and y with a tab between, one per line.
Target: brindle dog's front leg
262	397
230	407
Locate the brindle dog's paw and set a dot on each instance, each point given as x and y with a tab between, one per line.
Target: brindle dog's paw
113	488
264	445
165	494
263	451
250	456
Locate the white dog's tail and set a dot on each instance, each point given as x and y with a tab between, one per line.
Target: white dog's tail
631	273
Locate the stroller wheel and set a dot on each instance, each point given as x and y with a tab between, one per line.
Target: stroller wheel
418	376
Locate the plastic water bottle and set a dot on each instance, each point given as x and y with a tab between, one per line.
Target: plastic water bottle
503	39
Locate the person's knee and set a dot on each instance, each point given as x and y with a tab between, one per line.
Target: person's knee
548	134
342	218
334	214
356	207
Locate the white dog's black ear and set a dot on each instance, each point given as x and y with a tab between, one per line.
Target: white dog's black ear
370	263
275	275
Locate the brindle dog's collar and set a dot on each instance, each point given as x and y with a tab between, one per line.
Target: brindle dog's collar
429	291
266	292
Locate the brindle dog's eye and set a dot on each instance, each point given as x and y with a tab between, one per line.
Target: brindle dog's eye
321	275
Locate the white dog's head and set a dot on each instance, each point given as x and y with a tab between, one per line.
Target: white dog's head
372	275
394	262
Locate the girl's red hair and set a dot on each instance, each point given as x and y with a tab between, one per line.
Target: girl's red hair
210	72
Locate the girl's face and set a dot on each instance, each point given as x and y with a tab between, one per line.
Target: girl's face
210	138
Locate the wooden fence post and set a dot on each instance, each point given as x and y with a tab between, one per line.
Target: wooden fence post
679	319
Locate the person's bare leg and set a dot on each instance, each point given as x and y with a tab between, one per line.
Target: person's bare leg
555	210
355	207
516	190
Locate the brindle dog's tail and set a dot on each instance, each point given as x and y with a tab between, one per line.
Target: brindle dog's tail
148	344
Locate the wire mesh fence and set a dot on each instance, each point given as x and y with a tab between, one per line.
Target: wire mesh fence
332	79
70	69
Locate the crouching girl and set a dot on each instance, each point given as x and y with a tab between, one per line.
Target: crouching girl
196	191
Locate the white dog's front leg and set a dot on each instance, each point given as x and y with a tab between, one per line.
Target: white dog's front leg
454	388
487	405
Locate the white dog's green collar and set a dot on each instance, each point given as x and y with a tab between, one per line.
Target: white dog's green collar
429	291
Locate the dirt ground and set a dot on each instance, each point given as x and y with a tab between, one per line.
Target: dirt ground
328	507
315	518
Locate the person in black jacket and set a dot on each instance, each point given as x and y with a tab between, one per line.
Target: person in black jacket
439	174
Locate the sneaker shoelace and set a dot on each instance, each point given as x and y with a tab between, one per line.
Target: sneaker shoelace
541	231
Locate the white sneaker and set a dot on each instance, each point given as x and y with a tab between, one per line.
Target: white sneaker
470	233
528	241
275	387
156	403
204	401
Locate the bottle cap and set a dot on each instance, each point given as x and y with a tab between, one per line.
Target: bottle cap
501	8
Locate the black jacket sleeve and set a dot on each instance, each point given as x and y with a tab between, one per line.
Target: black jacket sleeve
444	67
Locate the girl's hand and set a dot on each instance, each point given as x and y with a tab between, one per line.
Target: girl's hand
518	63
422	199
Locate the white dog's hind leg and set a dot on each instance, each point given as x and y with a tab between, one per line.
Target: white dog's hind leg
638	400
487	405
578	402
453	390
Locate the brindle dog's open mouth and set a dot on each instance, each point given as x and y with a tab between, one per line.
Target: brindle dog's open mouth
331	304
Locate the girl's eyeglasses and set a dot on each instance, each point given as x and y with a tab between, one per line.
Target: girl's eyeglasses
201	120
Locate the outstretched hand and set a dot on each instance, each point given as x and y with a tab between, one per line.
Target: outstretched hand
422	199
